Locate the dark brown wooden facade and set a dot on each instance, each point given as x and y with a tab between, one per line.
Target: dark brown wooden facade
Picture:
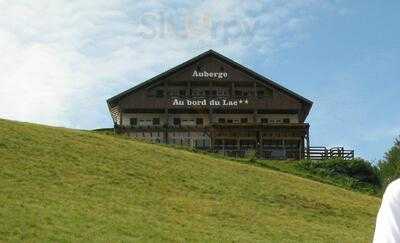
211	102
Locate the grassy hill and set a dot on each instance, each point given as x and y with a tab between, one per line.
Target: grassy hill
61	185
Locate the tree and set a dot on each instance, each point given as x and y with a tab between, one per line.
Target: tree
389	167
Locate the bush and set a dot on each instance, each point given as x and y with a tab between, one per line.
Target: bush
389	167
357	173
251	155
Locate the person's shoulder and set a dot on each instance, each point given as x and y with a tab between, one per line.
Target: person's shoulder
393	189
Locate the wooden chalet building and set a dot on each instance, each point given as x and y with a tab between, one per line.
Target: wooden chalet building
211	102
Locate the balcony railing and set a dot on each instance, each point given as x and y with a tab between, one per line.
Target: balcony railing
218	125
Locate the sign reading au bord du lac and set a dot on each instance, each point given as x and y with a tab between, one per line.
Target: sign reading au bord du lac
206	102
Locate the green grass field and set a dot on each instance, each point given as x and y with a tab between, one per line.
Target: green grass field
62	185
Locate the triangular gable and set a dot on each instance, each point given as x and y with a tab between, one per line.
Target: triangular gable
198	59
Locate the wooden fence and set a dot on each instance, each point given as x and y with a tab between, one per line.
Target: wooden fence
321	153
267	152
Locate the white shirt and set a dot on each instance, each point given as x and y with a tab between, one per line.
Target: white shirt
387	228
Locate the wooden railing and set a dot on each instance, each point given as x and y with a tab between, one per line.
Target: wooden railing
321	153
271	152
265	152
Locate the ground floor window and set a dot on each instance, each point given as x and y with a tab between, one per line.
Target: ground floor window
156	121
133	121
177	121
199	121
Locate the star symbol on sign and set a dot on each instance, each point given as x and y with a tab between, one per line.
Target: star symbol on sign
240	101
246	101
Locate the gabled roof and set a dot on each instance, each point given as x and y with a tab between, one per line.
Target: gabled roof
234	64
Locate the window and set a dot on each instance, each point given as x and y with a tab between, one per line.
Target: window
264	120
229	121
159	93
149	94
238	92
244	120
214	93
147	122
199	121
221	92
269	93
133	121
221	120
207	92
177	121
286	120
197	92
260	93
182	92
276	121
173	92
156	121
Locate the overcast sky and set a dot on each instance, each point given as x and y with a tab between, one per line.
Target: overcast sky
60	60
